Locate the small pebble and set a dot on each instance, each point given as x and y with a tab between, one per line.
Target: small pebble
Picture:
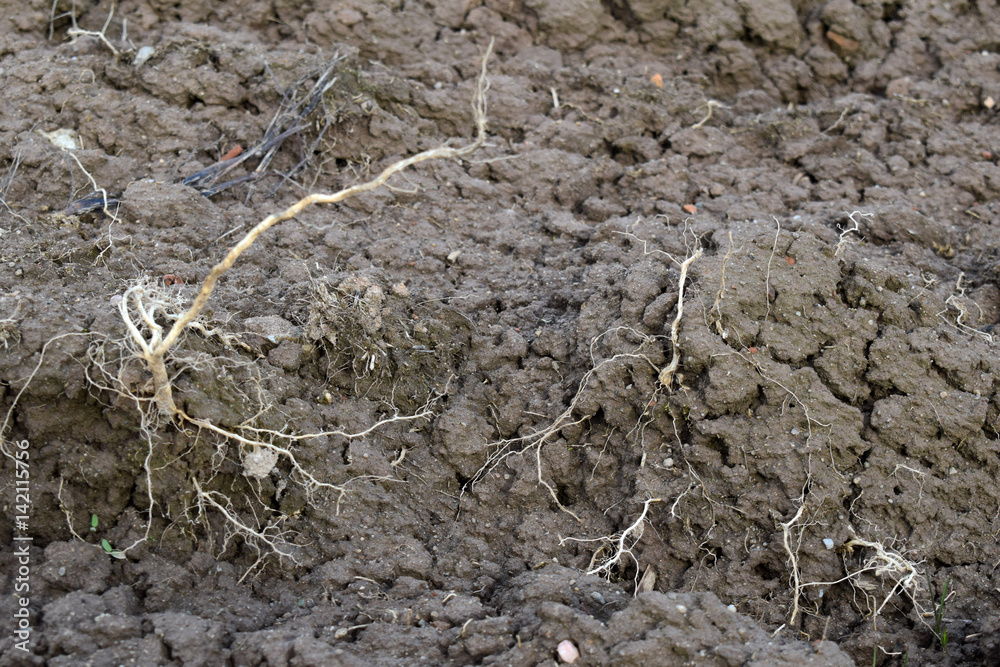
144	54
828	543
567	651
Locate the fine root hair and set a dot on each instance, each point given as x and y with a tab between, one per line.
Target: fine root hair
163	333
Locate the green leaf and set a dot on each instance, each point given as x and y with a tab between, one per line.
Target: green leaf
107	546
94	521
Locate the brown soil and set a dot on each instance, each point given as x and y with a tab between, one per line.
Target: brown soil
833	428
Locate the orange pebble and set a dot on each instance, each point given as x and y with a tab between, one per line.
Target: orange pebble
235	151
846	43
690	208
790	260
657	80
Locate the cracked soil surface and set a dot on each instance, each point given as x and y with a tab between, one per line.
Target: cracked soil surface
817	485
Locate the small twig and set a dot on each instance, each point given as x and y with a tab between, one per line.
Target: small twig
288	120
